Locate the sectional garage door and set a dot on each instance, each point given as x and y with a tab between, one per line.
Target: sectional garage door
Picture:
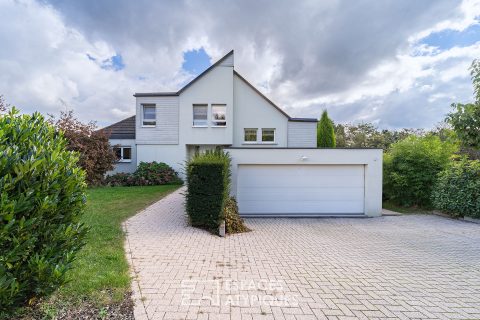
301	190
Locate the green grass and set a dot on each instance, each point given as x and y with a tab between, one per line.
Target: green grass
100	273
406	210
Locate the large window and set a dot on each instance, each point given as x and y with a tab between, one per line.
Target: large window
219	115
250	135
200	115
268	135
148	115
124	154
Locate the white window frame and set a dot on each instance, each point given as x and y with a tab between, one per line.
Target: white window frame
215	121
260	138
149	105
193	115
121	153
256	136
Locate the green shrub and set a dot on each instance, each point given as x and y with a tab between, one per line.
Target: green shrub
233	222
411	167
208	180
325	132
147	174
457	190
42	197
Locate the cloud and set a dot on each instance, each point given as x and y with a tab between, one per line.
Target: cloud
363	60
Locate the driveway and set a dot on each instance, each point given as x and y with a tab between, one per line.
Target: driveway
403	267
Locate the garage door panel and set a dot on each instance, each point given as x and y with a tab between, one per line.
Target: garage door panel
302	193
300	189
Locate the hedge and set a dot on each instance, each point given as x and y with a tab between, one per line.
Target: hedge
147	174
208	180
457	190
42	197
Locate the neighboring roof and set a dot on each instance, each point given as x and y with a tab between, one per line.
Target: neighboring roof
303	120
160	94
124	129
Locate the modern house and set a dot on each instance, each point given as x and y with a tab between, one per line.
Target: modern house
276	168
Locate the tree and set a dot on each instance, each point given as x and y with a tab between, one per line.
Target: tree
325	132
4	107
96	155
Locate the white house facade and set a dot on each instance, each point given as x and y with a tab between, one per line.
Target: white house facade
220	109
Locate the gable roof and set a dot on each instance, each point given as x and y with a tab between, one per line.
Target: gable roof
124	129
159	94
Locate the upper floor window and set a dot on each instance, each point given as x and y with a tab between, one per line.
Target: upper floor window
124	154
250	135
268	135
219	114
148	115
200	115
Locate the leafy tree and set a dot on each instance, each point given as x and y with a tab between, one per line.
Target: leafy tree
42	197
411	167
4	106
96	155
325	132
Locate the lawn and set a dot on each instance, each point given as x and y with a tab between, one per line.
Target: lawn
100	274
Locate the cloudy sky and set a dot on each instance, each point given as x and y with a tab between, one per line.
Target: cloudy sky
394	63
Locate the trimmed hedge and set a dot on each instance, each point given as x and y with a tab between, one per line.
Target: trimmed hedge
457	190
42	198
147	174
208	180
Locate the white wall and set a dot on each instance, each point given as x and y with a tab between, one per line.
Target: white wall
215	87
302	134
166	129
127	167
253	111
371	158
173	155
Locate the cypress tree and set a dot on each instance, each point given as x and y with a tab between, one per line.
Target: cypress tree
325	132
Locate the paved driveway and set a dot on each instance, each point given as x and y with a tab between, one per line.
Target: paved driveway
413	267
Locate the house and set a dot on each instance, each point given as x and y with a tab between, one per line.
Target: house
277	170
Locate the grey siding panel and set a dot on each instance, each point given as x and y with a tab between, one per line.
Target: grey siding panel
228	62
302	134
166	129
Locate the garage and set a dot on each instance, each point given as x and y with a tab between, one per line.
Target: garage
307	182
300	190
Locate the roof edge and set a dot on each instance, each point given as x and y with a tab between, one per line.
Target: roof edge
303	120
261	94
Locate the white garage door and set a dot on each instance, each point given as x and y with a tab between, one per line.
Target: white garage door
300	190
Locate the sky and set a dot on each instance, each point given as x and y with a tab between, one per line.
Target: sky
393	63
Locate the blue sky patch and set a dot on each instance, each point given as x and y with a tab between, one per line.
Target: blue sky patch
195	61
447	39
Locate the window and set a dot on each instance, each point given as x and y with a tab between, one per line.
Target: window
250	135
200	114
219	115
124	154
149	118
268	135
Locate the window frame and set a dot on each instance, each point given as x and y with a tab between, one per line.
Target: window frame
215	122
122	160
268	142
256	136
149	105
205	105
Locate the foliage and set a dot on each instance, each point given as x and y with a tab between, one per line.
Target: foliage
208	181
411	167
457	190
4	106
325	132
42	198
96	155
233	222
366	135
147	174
475	74
465	120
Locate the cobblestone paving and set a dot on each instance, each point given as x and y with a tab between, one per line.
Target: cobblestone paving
404	267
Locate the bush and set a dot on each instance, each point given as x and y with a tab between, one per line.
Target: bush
208	180
411	167
233	222
42	197
325	132
96	155
457	190
147	174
